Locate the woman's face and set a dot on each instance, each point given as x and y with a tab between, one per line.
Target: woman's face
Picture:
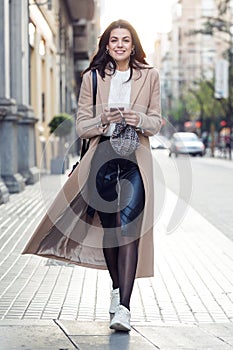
120	45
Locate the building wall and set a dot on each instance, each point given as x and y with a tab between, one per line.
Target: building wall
54	79
44	96
38	81
17	136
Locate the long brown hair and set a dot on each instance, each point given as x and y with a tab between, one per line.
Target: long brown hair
101	59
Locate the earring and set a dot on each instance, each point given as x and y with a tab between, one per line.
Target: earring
132	52
107	52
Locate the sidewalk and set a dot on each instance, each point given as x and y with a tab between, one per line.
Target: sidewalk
67	335
45	304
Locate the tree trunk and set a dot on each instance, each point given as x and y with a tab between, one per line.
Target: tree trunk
212	133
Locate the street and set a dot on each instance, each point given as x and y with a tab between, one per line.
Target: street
188	304
211	181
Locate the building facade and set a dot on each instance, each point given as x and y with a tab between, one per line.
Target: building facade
17	142
40	75
191	55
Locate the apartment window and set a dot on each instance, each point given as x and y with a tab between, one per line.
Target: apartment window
208	56
178	10
207	8
49	5
43	106
31	32
80	30
42	47
207	38
180	34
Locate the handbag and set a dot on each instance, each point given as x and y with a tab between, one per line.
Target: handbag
86	143
124	139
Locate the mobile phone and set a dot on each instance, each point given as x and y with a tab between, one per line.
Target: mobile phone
114	109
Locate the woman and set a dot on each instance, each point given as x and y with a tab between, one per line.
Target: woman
108	220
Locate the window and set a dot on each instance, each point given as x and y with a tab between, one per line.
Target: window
42	47
80	30
43	106
207	7
31	32
49	5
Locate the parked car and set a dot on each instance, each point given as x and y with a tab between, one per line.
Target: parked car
159	142
186	143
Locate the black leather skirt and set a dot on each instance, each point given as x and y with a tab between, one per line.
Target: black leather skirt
116	190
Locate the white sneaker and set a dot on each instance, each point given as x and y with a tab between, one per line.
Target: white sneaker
121	319
115	300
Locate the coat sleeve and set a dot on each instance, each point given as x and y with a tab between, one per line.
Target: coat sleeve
151	120
87	126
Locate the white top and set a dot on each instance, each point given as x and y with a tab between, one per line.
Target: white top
119	94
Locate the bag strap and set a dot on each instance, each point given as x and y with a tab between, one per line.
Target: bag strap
94	88
86	143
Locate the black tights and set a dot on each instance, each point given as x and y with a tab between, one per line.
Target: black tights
117	193
122	264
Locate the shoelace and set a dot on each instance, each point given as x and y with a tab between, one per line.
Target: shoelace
113	294
121	312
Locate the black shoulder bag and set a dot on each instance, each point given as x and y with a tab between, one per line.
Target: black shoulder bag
86	143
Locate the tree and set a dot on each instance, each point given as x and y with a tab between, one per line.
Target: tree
178	113
207	106
201	104
61	124
216	26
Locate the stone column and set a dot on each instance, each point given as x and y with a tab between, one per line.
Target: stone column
8	115
4	193
9	145
4	86
27	146
20	90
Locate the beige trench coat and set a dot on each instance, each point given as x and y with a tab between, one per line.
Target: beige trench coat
65	232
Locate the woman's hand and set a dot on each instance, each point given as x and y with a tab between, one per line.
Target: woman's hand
108	116
117	116
132	118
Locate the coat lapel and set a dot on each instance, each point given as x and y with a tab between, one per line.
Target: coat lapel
137	84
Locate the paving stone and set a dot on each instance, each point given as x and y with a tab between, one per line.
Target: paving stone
221	331
114	341
182	337
37	336
97	335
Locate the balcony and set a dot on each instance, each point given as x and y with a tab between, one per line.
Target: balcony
80	9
